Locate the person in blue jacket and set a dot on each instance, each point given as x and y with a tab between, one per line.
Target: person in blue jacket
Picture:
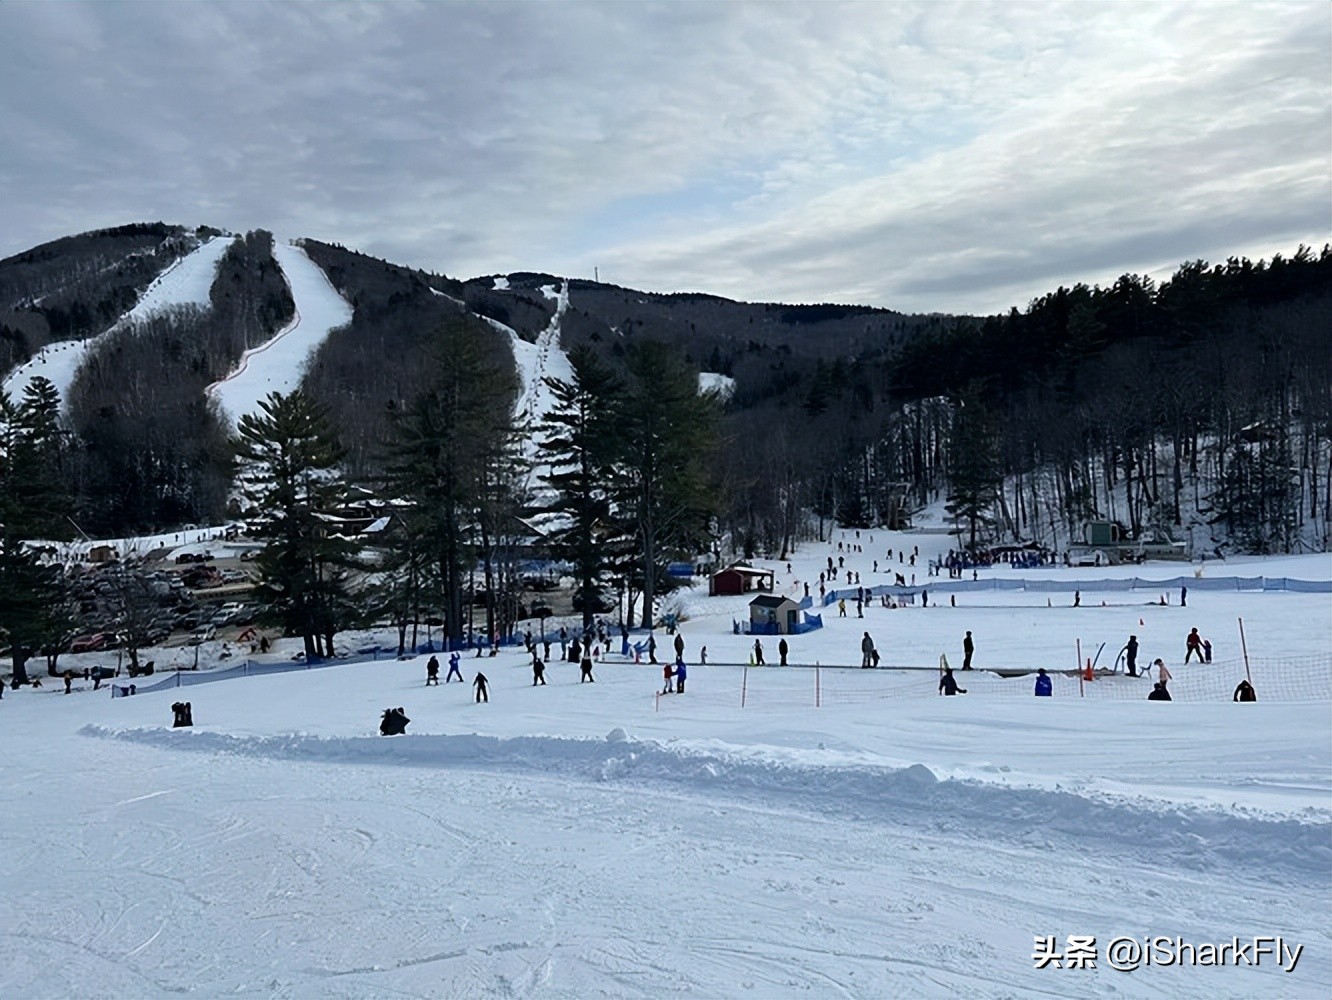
1044	687
680	673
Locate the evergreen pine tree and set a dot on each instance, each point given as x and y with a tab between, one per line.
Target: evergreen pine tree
289	459
582	440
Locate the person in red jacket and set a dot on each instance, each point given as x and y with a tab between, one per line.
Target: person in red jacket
1193	646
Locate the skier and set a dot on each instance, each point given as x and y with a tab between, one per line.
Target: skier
758	652
968	647
432	671
1193	645
538	671
1044	687
454	659
585	665
482	689
1131	656
1244	692
866	652
948	683
782	650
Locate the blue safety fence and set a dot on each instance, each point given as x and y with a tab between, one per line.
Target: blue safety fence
1222	583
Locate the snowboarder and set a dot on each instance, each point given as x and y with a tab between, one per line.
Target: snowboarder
1193	645
1131	655
681	671
758	652
866	652
1044	686
585	665
482	688
432	671
948	683
1159	693
782	650
968	647
454	659
538	671
394	722
1244	692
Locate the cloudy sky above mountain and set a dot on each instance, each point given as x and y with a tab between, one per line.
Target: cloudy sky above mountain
925	157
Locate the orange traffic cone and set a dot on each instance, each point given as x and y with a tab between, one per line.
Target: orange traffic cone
1087	674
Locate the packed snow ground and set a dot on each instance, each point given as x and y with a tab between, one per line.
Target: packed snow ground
581	839
187	282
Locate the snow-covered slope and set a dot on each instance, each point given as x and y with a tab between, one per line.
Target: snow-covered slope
846	833
187	282
277	365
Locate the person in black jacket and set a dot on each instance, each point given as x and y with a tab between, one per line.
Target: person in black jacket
482	689
432	671
948	683
1244	692
538	671
968	647
394	722
1131	656
1159	692
782	650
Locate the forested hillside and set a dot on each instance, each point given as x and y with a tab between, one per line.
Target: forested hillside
1196	407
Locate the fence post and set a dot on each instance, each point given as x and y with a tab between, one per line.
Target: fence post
1244	646
818	686
1082	684
744	686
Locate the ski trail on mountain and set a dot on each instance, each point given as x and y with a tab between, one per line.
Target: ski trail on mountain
537	361
278	364
187	282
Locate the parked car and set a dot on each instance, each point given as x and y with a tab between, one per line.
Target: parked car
203	635
93	642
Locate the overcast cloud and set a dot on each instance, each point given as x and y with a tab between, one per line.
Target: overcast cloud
929	157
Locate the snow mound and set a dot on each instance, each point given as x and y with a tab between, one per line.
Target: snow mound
1185	837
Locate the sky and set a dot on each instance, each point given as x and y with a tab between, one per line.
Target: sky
922	157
